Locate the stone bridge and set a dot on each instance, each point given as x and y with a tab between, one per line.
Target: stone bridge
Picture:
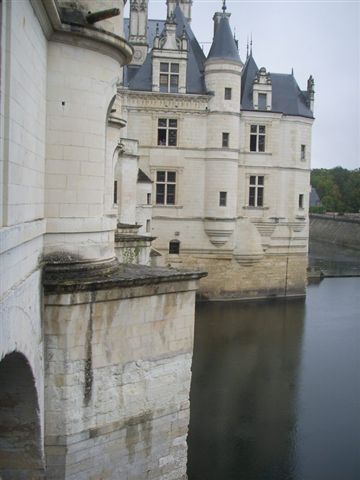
95	355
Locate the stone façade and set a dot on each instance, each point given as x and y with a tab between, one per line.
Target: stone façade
249	240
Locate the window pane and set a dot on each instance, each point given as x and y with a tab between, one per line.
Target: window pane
301	201
161	137
174	247
261	129
160	177
170	197
174	79
252	196
171	176
225	139
252	180
261	143
175	68
174	82
227	93
164	67
262	102
260	198
115	192
253	129
163	79
172	138
172	123
222	199
162	122
260	180
160	198
253	143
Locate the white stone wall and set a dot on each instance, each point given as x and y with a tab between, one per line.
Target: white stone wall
23	86
204	169
143	209
22	147
81	84
126	368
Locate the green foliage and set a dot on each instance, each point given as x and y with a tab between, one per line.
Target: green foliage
338	189
317	209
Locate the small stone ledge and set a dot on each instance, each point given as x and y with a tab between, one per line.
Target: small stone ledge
73	277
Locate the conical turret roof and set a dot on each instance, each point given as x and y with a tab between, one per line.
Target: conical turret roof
223	45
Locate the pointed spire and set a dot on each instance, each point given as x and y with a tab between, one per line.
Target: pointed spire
223	45
223	8
247	47
251	43
292	71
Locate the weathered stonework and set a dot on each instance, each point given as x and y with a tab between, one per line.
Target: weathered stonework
118	373
224	95
272	276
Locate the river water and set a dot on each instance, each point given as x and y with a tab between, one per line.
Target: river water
275	390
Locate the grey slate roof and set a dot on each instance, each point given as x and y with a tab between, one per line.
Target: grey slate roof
142	177
314	198
223	45
287	97
139	78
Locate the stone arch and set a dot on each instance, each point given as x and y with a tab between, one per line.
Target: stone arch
20	433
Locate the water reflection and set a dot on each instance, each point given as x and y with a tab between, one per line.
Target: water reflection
333	259
245	371
276	388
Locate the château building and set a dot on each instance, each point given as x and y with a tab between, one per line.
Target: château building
227	146
95	355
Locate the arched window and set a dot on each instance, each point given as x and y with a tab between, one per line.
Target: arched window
174	247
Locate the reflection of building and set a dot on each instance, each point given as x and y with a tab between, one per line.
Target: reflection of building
94	356
227	146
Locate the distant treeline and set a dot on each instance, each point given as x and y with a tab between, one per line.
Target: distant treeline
338	189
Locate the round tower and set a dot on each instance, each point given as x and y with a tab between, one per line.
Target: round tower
223	81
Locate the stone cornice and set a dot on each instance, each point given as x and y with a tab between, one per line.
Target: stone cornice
76	277
85	36
161	101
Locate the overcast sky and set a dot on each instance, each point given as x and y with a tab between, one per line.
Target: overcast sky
321	38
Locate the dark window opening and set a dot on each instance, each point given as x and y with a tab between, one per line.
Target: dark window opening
222	199
115	192
257	138
148	198
227	95
225	139
256	191
169	77
303	152
147	226
301	200
167	132
165	187
174	247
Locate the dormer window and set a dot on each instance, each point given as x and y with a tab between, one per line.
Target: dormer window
262	90
169	77
262	101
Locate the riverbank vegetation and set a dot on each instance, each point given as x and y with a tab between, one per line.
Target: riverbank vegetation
338	189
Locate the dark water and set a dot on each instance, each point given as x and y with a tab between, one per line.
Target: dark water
276	388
